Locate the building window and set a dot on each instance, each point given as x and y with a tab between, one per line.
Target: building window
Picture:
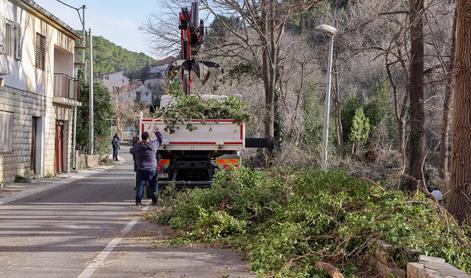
6	131
11	44
40	51
8	38
17	43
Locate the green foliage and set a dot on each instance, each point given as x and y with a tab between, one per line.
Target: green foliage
251	69
312	119
175	88
360	128
184	108
349	107
109	57
219	29
103	113
375	109
22	179
286	220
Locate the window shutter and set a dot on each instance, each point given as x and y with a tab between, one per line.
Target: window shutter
7	37
6	131
18	42
2	133
40	50
2	36
37	46
10	132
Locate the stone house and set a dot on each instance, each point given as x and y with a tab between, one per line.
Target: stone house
140	95
38	92
158	70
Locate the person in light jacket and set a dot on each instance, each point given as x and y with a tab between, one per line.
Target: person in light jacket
145	153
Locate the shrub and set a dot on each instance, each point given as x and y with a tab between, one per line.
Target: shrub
22	179
286	220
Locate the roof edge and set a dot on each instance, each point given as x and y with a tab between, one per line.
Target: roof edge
42	13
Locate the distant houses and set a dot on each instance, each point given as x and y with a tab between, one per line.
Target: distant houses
115	81
38	91
140	94
143	88
158	70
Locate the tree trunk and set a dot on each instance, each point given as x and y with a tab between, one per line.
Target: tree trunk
338	113
400	113
269	102
269	63
416	91
443	170
459	202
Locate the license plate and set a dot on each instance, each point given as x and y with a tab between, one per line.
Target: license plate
163	175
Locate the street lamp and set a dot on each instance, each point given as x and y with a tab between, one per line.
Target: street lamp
329	31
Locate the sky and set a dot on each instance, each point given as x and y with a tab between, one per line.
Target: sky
115	20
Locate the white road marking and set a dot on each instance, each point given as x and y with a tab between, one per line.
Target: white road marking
100	259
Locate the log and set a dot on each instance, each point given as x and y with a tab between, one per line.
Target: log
330	269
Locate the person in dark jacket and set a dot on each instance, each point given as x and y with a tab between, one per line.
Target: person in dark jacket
135	140
145	153
115	143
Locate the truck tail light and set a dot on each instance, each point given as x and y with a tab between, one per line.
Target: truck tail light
228	163
163	164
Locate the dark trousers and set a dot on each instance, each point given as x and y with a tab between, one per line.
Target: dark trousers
142	176
115	153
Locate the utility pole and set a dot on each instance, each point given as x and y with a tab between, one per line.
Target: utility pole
84	44
90	96
77	75
83	47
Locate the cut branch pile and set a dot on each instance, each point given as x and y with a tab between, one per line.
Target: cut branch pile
185	108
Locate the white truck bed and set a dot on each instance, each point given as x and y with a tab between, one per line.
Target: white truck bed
209	135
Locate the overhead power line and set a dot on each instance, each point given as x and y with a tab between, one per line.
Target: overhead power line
68	5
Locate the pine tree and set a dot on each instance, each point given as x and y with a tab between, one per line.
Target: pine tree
360	130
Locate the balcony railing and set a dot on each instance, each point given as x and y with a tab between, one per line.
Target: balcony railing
66	87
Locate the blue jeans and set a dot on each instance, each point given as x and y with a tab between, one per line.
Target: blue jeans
142	177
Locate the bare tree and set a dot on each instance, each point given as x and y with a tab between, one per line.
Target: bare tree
459	202
257	38
446	107
125	112
416	91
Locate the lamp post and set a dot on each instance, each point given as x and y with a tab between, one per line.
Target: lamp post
329	31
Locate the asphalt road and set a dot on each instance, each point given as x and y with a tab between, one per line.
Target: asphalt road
91	228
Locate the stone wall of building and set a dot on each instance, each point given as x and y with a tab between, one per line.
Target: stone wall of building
54	113
24	106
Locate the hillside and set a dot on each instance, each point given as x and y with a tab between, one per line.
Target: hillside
110	57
